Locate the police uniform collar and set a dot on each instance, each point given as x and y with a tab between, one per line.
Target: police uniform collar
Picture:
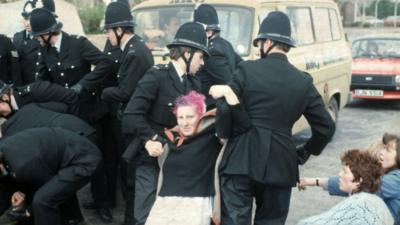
178	70
277	55
57	45
126	42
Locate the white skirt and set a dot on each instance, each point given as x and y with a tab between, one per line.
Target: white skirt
173	210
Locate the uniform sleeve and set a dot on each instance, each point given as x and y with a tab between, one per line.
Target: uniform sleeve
43	91
133	70
322	125
231	120
103	65
218	66
390	185
136	113
238	81
238	58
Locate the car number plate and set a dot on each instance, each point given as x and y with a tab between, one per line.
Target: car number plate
372	93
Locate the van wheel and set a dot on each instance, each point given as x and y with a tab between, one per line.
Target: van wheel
333	109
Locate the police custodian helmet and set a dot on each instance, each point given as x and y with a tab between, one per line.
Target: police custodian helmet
191	35
275	27
31	5
43	22
118	14
207	15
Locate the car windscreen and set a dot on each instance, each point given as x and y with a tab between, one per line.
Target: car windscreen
376	48
157	26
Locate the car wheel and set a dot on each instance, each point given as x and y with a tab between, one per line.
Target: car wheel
333	109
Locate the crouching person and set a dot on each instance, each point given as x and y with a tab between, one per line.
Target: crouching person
53	164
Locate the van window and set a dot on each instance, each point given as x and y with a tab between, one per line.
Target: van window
334	25
322	25
157	26
300	20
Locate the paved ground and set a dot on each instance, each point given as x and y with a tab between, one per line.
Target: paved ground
360	124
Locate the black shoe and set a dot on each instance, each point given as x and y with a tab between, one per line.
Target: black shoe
89	205
105	215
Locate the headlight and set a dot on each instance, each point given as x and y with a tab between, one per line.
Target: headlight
397	79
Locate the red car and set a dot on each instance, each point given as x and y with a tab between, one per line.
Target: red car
376	67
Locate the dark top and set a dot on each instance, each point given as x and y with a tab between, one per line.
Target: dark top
275	95
31	116
28	49
9	66
50	96
136	59
35	155
219	67
189	169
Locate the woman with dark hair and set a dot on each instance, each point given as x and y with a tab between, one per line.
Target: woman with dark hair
360	178
388	153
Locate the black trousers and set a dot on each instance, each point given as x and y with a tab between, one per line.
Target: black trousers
49	197
145	190
237	192
104	183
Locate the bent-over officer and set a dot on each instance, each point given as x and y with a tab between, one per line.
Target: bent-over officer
262	161
219	67
150	109
54	163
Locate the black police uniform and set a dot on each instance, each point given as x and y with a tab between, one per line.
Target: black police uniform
219	67
50	96
9	66
54	162
150	111
28	49
262	162
72	66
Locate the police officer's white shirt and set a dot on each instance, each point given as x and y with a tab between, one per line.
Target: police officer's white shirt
178	70
57	45
126	42
14	104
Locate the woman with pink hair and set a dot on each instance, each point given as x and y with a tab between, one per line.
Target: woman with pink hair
186	187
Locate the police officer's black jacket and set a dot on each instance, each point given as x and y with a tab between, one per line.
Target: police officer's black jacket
115	54
219	67
73	63
36	155
73	66
28	49
149	110
275	95
32	116
9	66
50	96
136	59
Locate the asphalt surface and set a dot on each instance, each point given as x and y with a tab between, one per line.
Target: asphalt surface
360	124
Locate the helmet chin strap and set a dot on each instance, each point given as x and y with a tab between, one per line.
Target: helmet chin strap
119	37
47	41
188	62
265	54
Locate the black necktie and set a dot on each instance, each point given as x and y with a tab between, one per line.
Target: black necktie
185	83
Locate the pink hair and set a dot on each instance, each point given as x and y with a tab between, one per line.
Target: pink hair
194	99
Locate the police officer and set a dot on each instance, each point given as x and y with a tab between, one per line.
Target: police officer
50	96
262	162
53	162
67	59
9	66
219	67
150	109
27	46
